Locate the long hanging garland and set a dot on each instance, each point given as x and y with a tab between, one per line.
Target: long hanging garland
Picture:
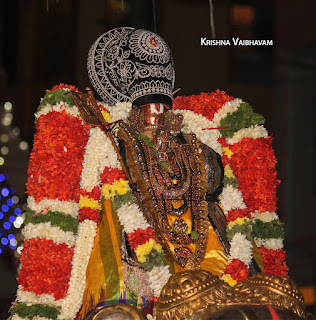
72	164
250	178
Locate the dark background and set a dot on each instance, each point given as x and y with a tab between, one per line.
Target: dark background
41	47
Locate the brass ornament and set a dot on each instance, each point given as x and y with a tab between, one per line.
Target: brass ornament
116	311
264	289
199	294
190	292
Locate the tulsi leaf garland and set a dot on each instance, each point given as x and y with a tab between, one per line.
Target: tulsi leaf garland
35	310
64	221
244	117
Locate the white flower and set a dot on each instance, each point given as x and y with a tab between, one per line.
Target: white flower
200	125
273	244
228	107
158	277
31	297
45	205
265	216
17	317
58	107
90	176
131	218
84	244
45	230
254	132
231	198
120	111
241	249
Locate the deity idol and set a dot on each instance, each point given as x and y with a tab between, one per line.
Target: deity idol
125	194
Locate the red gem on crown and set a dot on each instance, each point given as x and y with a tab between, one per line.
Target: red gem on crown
153	41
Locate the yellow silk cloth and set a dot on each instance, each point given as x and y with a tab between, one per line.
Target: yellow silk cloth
215	259
104	276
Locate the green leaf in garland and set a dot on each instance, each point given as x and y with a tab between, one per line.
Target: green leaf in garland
230	181
244	117
245	229
119	200
268	230
154	258
64	221
54	97
35	310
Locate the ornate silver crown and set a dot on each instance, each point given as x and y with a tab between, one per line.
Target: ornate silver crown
131	65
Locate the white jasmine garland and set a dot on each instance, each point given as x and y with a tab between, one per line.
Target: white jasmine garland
241	249
77	283
58	107
45	230
273	244
265	216
17	317
120	111
200	126
108	155
254	132
45	205
44	298
228	107
231	198
158	277
131	218
90	176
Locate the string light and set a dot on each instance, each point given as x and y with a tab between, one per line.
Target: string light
8	106
4	150
4	137
11	216
23	145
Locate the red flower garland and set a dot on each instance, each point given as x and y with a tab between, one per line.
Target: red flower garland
238	270
56	161
94	194
110	174
140	236
63	86
90	214
206	104
274	261
253	164
46	267
239	213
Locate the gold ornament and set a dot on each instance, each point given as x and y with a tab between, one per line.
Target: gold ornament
116	311
190	292
264	289
199	294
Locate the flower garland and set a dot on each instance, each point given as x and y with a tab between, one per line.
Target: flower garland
62	217
250	181
140	234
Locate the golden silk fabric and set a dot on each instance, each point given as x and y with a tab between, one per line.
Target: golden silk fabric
215	259
104	276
